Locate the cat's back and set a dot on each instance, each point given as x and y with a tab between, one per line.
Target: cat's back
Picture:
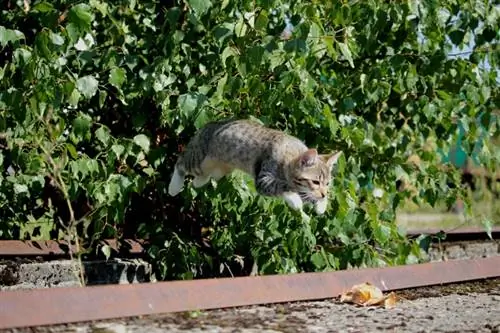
242	142
246	134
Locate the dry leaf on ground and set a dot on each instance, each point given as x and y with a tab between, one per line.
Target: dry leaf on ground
367	294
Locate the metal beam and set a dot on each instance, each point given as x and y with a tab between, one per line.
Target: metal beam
65	305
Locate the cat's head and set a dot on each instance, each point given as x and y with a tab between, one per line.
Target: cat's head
311	173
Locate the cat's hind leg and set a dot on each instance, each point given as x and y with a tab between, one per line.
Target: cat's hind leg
199	181
176	182
217	174
209	168
215	169
219	171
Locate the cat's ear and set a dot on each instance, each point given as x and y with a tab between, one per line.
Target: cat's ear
331	159
308	158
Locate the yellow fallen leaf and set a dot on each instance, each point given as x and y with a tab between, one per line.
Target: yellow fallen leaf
366	294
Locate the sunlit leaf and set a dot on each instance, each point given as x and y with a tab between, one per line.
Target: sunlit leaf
200	7
142	141
81	15
87	85
117	77
344	49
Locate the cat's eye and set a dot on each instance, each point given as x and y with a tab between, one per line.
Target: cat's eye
315	182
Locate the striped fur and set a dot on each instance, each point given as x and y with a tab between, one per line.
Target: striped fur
280	164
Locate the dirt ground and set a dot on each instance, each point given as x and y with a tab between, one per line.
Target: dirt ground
469	307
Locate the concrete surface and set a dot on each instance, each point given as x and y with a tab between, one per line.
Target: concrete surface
64	273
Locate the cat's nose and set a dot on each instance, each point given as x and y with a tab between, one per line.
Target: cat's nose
323	194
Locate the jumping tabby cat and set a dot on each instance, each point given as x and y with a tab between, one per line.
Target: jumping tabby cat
280	164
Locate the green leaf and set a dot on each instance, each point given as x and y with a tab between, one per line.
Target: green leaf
142	141
74	98
81	127
162	81
328	42
102	97
202	119
117	77
488	227
200	7
84	44
20	188
43	7
87	85
344	49
188	103
149	171
229	51
362	79
443	94
240	29
118	150
344	239
8	36
56	39
106	250
72	150
73	32
382	233
103	135
295	45
42	45
318	260
357	136
81	15
333	124
262	21
22	56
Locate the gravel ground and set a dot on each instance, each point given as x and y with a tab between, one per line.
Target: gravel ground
469	307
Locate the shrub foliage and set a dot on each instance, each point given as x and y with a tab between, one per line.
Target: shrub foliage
98	97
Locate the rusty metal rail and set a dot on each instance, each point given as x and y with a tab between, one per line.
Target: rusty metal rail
61	248
66	305
132	247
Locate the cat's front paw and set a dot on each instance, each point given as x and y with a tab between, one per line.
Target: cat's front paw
320	206
293	200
